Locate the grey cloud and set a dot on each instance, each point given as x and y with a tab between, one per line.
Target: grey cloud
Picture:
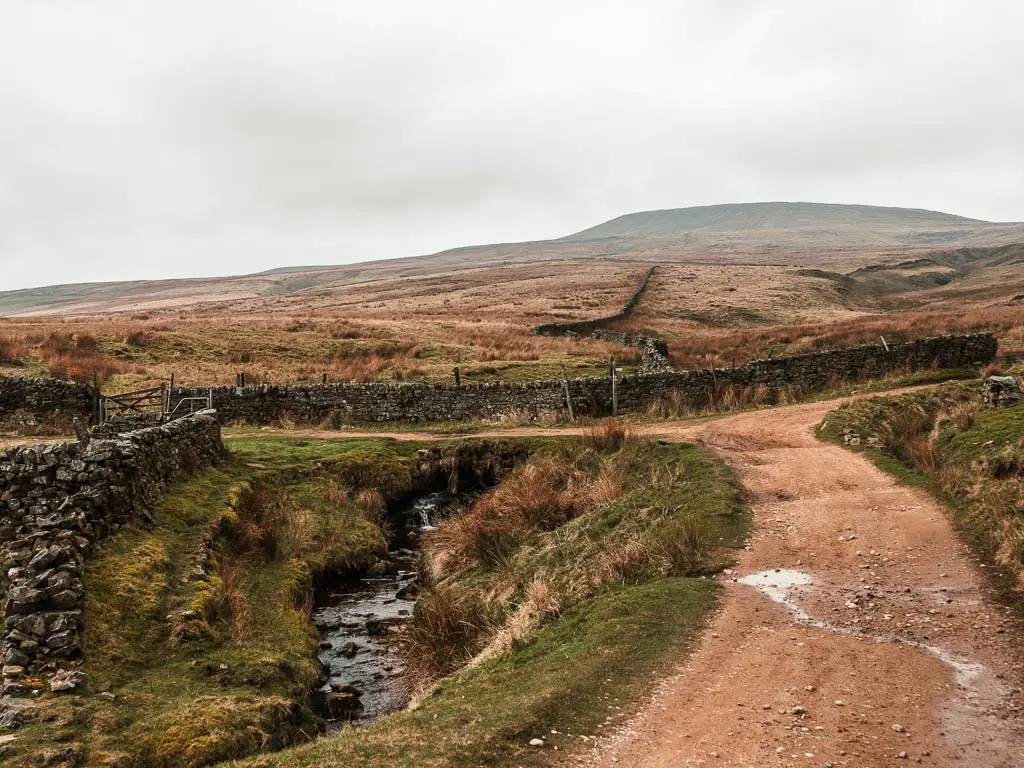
216	138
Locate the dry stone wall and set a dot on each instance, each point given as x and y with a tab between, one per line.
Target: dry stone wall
585	327
412	402
653	352
33	402
55	502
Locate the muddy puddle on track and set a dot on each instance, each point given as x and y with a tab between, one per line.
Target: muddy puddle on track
361	622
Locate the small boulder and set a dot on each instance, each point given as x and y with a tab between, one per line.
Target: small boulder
349	650
343	706
66	680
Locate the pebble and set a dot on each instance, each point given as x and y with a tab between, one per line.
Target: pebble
536	742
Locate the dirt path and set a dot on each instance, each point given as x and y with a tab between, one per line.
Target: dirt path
875	644
856	630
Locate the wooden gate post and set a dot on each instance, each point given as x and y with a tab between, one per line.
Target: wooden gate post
615	391
568	399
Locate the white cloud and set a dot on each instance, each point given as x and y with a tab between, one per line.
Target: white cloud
214	138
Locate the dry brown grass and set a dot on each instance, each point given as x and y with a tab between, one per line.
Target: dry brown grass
538	496
558	530
724	397
268	522
208	349
992	369
236	605
451	626
420	328
698	347
606	435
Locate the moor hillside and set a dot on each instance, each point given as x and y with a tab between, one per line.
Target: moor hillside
872	271
834	237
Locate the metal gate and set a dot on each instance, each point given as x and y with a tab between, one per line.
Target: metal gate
154	401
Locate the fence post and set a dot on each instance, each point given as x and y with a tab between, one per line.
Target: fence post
568	399
615	391
95	398
325	377
458	378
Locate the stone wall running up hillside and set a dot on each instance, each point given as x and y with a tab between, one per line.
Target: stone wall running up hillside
653	352
585	327
412	402
55	501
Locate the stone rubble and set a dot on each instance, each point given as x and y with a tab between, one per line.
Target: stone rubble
1001	391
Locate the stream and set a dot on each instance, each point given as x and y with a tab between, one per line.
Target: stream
361	621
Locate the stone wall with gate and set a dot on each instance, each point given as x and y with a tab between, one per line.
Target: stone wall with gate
415	402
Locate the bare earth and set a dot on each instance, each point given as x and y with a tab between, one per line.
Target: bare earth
875	643
891	653
885	650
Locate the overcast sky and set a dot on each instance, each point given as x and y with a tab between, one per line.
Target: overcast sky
145	140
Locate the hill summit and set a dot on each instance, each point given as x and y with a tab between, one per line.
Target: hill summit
737	217
837	238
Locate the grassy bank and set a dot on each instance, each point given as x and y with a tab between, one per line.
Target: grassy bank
199	648
971	455
197	641
552	601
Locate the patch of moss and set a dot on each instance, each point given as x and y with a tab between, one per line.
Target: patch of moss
159	635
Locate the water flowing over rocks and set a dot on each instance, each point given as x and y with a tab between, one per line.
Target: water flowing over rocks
361	623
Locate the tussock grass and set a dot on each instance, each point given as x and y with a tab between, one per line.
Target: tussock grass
609	509
973	455
209	666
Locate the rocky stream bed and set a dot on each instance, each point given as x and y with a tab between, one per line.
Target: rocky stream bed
361	622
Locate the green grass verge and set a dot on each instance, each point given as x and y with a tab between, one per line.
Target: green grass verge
187	689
